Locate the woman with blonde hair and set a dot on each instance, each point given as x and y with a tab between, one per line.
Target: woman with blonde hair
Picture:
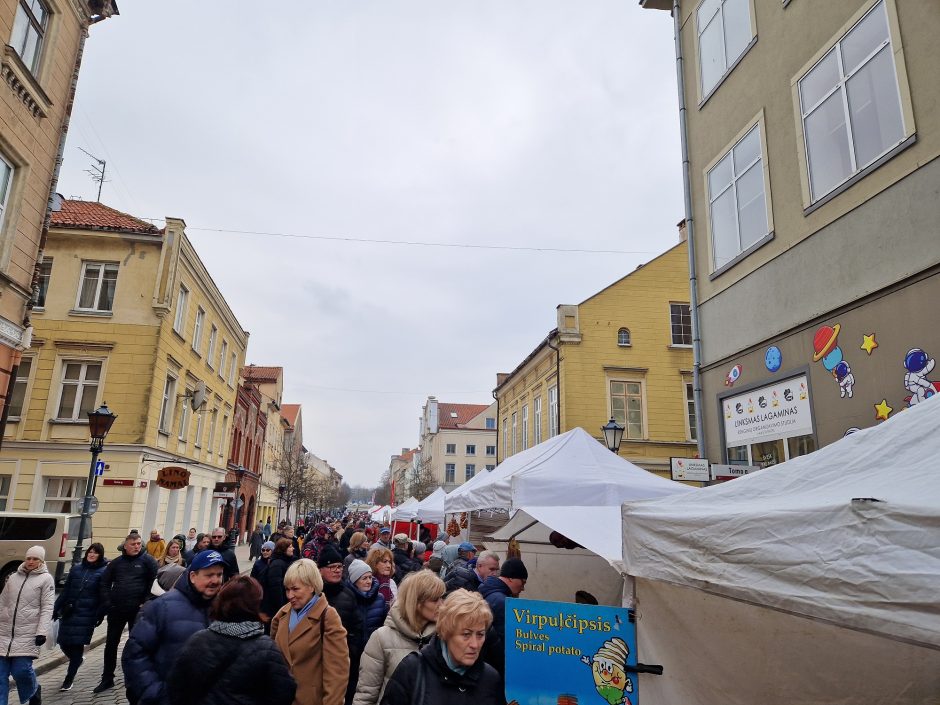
311	637
449	669
382	563
409	626
358	548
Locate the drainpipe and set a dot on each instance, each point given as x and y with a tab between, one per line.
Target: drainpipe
690	239
548	341
496	397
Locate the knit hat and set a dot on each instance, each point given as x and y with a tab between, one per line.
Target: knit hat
267	546
206	559
36	552
329	555
357	569
514	568
420	547
438	549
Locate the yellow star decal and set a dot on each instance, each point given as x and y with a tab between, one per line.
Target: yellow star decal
869	343
882	410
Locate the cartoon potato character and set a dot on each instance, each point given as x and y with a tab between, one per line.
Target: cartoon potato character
608	666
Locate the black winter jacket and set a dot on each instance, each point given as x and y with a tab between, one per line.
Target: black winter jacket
230	567
495	592
480	685
126	582
164	625
342	598
372	607
404	564
464	578
272	584
81	593
230	663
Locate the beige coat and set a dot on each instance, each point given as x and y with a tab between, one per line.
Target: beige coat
25	610
319	680
387	647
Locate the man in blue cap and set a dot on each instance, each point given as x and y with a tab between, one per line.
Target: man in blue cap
385	538
165	624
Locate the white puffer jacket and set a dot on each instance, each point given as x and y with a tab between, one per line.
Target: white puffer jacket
25	611
387	647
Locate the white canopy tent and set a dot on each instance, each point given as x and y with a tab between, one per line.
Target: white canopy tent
380	513
403	511
430	510
465	488
830	562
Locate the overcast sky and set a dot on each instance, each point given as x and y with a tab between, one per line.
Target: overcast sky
525	124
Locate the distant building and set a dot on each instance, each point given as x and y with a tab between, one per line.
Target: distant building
624	353
269	381
401	468
457	441
249	428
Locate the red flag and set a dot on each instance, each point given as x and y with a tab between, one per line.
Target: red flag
391	500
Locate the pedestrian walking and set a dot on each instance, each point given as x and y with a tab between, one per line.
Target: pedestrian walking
165	624
436	561
448	556
311	637
372	605
465	553
172	566
219	542
261	565
510	583
382	563
191	539
385	538
358	548
274	591
465	577
232	661
26	606
449	669
201	544
342	598
256	540
156	546
124	587
267	530
76	608
318	537
409	626
402	553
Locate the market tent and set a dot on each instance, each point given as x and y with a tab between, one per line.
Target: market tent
430	510
572	469
380	513
465	488
849	534
403	511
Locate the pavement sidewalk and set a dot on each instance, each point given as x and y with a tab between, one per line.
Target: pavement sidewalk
53	658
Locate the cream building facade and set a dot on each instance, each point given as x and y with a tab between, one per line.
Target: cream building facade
457	441
130	316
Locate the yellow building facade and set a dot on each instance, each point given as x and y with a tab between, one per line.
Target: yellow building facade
624	353
128	315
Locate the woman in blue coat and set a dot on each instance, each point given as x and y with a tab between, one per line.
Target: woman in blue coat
77	608
371	604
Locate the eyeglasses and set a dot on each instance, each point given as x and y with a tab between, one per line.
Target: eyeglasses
334	566
218	536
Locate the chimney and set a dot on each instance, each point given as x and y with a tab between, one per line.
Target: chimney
683	231
501	377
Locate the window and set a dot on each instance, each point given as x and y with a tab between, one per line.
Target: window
223	354
469	471
233	364
490	467
490	423
724	34
185	414
505	437
18	397
471	449
62	494
29	28
97	289
4	492
553	412
166	406
515	430
197	328
450	473
538	420
736	200
623	337
680	318
79	389
223	434
210	352
200	424
525	427
182	304
851	105
45	274
450	448
213	419
690	409
491	451
626	407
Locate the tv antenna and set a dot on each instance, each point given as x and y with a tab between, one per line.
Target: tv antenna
97	172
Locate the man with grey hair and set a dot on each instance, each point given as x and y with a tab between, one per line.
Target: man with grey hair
471	577
217	542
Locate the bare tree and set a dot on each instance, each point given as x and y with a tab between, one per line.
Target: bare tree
291	467
383	493
421	481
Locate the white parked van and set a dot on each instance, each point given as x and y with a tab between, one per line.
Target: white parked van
57	533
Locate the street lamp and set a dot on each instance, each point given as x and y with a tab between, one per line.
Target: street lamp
99	423
239	474
613	434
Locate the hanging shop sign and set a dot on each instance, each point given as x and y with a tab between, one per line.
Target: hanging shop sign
173	478
779	410
695	469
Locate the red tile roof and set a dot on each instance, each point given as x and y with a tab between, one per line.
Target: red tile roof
464	413
91	215
289	412
256	373
408	455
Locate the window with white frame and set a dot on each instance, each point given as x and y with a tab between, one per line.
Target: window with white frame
690	409
491	451
623	337
4	491
223	433
537	415
223	358
79	391
167	404
200	426
29	31
61	494
505	437
213	419
197	328
553	412
99	280
490	423
626	407
724	34
680	321
469	471
525	427
20	384
210	351
471	449
233	364
185	415
737	204
182	308
851	105
45	276
450	448
515	431
450	472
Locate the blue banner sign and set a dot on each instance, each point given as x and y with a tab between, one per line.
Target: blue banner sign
558	653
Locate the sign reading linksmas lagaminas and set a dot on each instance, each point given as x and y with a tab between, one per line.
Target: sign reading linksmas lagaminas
559	653
779	410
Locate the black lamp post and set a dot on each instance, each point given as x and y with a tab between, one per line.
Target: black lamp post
613	434
239	474
99	423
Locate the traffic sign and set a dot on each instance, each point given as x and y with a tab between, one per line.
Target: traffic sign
99	468
92	505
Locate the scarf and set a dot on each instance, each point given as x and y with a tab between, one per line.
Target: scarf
239	630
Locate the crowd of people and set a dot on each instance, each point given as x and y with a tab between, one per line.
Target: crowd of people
338	612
